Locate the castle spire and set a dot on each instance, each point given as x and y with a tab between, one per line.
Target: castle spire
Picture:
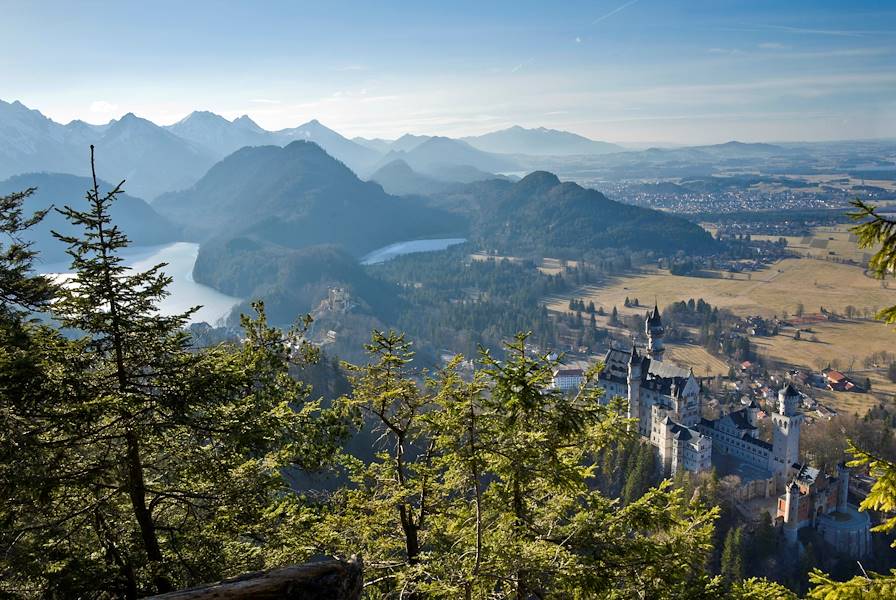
654	329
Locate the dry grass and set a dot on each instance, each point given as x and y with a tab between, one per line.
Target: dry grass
774	291
548	266
691	355
836	242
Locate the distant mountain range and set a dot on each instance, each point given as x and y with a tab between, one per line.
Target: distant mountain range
513	140
440	156
156	159
539	142
151	158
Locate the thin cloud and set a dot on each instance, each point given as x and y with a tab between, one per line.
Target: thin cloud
264	101
771	46
835	32
102	106
379	98
520	66
613	12
766	28
727	51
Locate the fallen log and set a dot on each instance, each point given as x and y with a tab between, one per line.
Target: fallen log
326	580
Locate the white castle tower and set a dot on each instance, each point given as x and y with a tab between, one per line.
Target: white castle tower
786	440
634	385
653	327
792	512
843	490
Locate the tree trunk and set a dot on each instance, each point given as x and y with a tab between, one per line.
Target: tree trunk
522	586
137	493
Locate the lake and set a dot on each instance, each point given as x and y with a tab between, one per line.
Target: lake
184	292
391	251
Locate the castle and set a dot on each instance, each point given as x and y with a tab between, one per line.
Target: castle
665	402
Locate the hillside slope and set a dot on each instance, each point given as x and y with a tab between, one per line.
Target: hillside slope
298	196
541	214
137	219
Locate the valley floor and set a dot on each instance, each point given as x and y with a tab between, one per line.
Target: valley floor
775	291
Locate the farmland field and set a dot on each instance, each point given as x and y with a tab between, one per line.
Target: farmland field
776	290
836	242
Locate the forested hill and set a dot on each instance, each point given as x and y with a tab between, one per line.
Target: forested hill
299	196
290	281
541	214
137	219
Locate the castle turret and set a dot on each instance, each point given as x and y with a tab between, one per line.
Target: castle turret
791	512
653	326
788	400
753	413
786	436
634	384
843	489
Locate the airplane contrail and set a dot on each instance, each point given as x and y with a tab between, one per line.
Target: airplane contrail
613	12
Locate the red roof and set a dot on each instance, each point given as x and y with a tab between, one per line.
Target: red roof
835	376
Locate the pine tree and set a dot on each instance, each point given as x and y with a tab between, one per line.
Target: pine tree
732	567
765	539
640	476
873	231
168	464
20	289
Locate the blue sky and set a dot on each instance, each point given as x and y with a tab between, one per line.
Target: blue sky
617	70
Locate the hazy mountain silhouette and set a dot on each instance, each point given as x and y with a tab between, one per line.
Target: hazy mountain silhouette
539	142
137	219
357	157
437	154
400	179
219	136
152	159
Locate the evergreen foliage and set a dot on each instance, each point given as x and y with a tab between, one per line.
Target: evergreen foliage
134	464
733	556
877	230
484	488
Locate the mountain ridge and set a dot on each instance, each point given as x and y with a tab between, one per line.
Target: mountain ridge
539	141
